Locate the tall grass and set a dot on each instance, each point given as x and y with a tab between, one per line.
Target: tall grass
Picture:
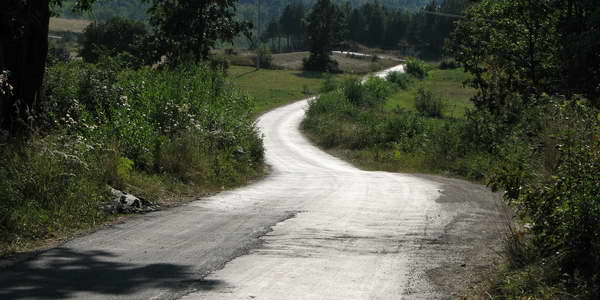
107	125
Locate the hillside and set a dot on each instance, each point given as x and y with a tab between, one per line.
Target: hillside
135	9
103	10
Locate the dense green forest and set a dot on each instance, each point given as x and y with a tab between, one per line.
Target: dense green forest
136	9
407	26
412	33
104	10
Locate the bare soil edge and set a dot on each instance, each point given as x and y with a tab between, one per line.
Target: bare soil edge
473	277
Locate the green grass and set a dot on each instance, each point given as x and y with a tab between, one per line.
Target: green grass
447	84
273	88
400	140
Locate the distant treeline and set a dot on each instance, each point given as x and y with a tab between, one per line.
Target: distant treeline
413	27
372	24
105	10
271	9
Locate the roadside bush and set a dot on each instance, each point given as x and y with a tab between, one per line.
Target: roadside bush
429	105
107	125
49	185
555	188
416	68
401	79
378	90
404	130
448	64
330	84
371	93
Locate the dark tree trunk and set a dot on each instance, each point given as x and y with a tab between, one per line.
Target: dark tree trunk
23	52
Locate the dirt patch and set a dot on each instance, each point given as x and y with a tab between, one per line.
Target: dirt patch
481	236
69	25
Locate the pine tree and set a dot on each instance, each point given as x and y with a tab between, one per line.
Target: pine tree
323	33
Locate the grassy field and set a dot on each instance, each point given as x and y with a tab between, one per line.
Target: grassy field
347	64
447	84
69	25
272	88
391	139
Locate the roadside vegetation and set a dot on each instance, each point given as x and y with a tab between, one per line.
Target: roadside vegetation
532	130
405	124
166	130
158	129
155	134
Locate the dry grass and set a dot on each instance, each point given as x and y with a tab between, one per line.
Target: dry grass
290	61
71	25
293	61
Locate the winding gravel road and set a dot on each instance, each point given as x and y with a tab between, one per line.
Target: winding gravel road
315	228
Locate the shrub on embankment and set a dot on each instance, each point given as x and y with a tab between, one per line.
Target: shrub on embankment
144	131
392	140
545	157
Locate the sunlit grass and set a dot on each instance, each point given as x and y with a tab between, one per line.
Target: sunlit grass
447	84
273	88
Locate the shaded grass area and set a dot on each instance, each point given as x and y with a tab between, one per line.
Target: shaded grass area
273	88
447	84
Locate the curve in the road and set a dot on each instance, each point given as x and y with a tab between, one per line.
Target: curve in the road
315	228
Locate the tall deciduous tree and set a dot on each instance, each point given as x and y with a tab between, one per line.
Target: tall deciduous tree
111	37
191	28
511	47
527	48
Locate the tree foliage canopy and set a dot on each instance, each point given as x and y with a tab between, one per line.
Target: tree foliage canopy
322	34
112	37
189	27
526	48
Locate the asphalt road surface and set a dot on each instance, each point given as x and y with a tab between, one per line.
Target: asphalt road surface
315	228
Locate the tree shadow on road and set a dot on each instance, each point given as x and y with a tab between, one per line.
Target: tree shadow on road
62	273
